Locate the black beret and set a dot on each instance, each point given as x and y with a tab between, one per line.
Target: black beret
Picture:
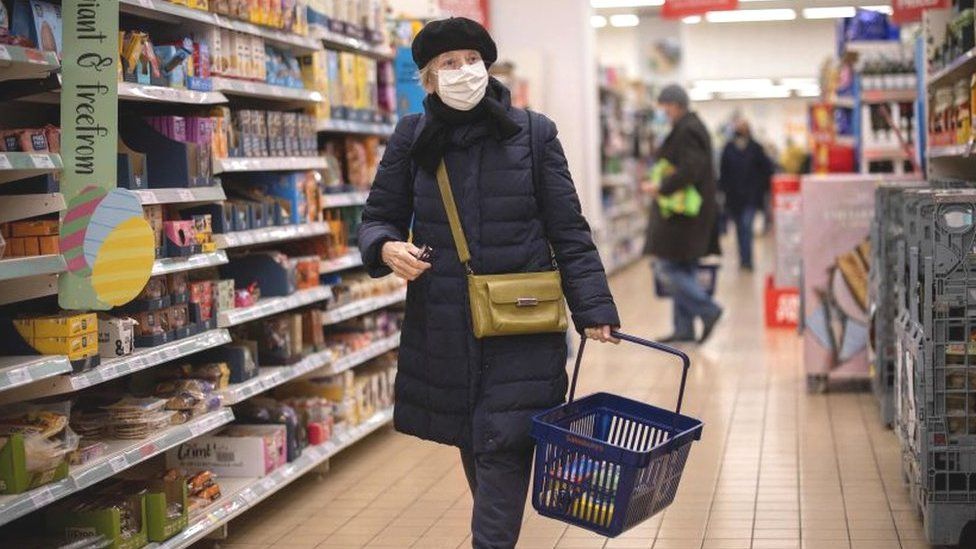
456	33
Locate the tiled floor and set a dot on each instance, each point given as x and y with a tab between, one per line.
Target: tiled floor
776	469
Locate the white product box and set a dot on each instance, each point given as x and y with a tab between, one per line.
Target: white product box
232	456
115	336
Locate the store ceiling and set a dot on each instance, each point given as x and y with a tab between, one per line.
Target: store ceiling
653	7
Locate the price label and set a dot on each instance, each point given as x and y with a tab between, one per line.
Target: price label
268	484
118	463
146	4
185	195
4	53
42	161
41	497
81	382
248	496
18	377
5	163
109	371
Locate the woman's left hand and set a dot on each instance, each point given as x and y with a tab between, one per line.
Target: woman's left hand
601	334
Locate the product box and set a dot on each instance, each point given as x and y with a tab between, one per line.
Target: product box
14	476
107	521
62	325
42	227
115	336
161	496
256	451
224	295
38	21
74	347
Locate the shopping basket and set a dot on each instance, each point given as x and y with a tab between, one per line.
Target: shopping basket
607	463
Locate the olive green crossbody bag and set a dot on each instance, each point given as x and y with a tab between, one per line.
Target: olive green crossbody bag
505	304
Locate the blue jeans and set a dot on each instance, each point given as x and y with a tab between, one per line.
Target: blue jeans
691	301
743	233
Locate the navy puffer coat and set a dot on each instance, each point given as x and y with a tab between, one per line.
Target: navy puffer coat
451	387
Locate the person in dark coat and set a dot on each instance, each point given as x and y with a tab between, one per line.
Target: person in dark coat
451	387
744	176
677	242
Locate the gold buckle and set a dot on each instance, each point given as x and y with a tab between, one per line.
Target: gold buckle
526	302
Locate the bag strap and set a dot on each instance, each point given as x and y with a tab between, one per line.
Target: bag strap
453	219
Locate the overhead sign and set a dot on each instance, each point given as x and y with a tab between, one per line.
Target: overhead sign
909	11
105	240
476	10
676	9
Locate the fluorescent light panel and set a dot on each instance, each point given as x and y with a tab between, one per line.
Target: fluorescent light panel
609	4
624	20
598	21
692	19
835	12
743	16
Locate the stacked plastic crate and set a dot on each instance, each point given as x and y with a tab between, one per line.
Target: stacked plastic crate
936	360
886	233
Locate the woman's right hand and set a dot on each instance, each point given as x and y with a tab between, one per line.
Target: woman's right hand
401	257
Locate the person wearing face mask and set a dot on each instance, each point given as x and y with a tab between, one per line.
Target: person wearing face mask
677	238
744	178
520	213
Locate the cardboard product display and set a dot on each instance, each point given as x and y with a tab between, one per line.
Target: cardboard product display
251	451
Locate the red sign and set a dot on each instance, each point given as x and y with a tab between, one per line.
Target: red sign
908	11
676	9
477	10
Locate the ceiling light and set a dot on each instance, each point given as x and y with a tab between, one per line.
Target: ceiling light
835	12
598	21
605	4
881	9
733	84
742	16
699	95
624	20
799	83
692	19
772	92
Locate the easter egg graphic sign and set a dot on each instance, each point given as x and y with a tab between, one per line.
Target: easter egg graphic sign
107	244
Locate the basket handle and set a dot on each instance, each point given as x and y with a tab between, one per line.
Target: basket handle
685	362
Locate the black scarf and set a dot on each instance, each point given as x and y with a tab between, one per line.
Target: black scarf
441	120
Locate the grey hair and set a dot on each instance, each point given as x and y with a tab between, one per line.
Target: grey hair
428	78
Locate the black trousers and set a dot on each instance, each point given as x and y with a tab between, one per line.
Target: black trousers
499	482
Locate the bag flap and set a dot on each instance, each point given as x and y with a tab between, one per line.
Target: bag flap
542	287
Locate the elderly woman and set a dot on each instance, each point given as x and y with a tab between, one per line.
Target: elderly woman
452	387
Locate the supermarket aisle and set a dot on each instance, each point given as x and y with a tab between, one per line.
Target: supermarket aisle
775	467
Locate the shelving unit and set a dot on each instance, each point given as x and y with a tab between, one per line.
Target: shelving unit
351	260
260	90
113	368
179	264
241	494
269	235
122	455
343	200
16	371
321	362
335	125
161	94
20	165
181	196
24	206
18	63
273	305
270	164
21	267
361	307
162	10
28	378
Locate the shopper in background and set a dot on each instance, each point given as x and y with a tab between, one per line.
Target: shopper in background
683	216
744	177
452	388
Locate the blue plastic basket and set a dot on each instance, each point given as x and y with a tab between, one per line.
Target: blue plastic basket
707	275
607	463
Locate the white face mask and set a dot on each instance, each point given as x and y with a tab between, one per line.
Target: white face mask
463	88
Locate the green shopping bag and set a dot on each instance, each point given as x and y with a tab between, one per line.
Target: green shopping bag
687	201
